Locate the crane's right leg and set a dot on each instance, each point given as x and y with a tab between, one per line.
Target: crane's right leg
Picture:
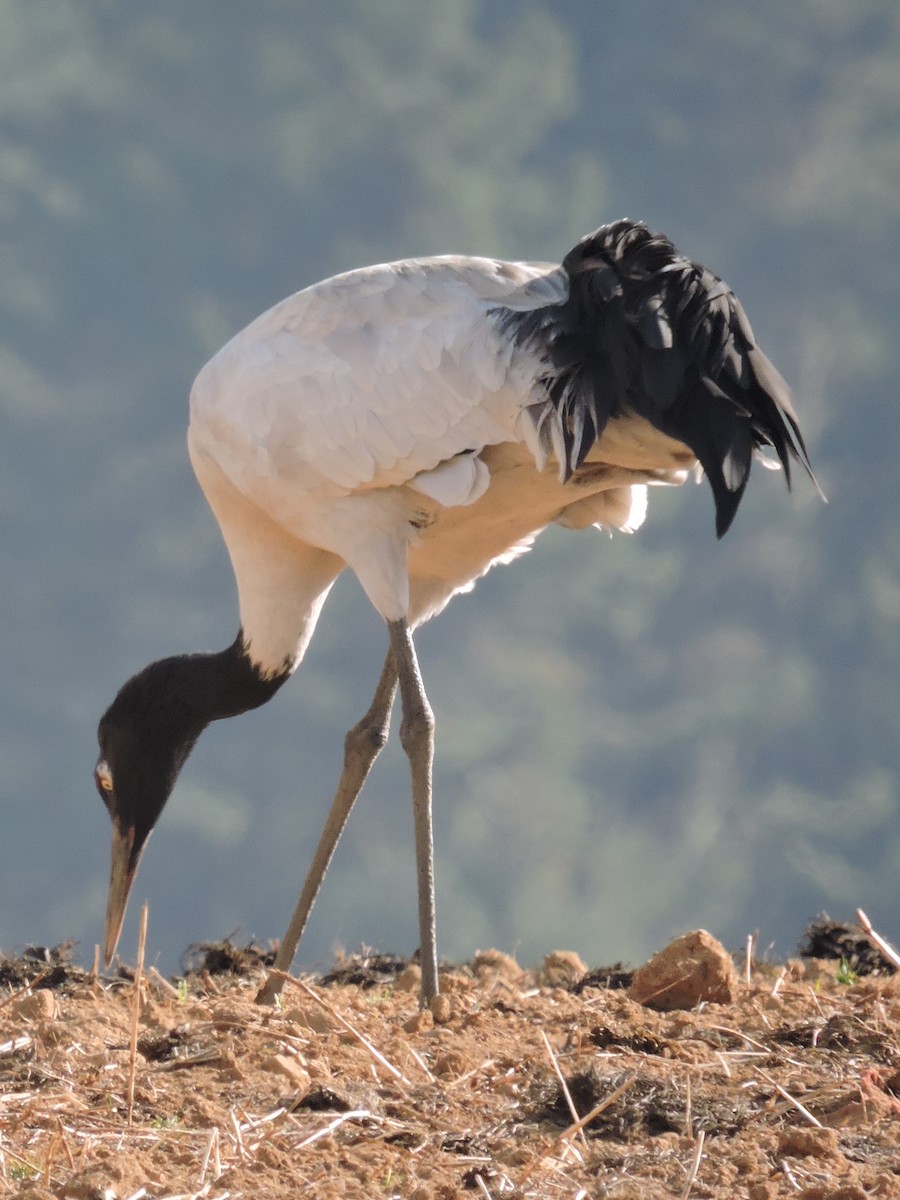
361	747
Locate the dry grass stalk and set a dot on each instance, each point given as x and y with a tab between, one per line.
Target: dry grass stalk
420	1063
16	1045
25	1162
760	1047
877	940
811	993
211	1145
804	1112
467	1075
568	1133
790	1176
748	958
261	1129
598	1108
238	1135
688	1107
135	1014
332	1011
356	1114
49	1156
576	1116
164	984
695	1166
482	1187
203	1194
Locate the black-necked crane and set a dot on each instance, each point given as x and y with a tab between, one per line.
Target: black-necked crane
420	422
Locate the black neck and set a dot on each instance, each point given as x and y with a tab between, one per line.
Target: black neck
176	698
213	686
230	684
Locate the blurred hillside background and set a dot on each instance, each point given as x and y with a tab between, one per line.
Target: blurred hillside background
635	736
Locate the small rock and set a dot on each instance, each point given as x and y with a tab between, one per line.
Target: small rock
487	963
441	1009
693	968
802	1142
763	1191
311	1016
231	1073
409	980
420	1022
451	1064
455	983
562	968
39	1006
289	1065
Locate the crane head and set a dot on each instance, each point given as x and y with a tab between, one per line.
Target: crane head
144	741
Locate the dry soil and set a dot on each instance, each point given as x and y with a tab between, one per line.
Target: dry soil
190	1089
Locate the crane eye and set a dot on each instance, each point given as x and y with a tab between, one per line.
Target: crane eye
103	776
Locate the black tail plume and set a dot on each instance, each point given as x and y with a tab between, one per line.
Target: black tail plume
645	330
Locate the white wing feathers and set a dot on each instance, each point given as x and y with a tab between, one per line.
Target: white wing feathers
374	378
460	481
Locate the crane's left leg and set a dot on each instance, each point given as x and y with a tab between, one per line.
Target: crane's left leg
361	748
417	738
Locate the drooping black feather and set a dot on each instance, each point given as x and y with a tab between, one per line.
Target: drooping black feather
646	331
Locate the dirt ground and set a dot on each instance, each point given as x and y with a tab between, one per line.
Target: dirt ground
110	1090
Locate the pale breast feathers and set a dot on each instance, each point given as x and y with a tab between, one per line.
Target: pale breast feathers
369	378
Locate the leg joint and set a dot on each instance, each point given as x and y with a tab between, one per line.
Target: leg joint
417	729
368	737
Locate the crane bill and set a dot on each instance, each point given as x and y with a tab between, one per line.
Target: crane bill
123	868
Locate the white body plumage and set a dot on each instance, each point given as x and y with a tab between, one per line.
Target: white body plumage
384	420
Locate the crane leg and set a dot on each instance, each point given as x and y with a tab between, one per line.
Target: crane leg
417	738
361	747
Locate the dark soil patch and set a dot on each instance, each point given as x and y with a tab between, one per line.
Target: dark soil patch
829	939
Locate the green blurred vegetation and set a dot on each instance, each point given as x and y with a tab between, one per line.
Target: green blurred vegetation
636	736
